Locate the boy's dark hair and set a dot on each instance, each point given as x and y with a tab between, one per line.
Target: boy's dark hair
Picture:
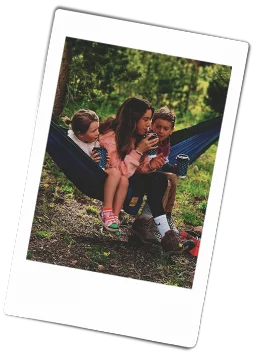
81	120
165	113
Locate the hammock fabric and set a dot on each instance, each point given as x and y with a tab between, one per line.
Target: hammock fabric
195	140
89	178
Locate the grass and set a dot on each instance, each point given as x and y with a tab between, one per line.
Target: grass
175	275
91	210
43	234
68	239
98	254
202	207
29	255
193	191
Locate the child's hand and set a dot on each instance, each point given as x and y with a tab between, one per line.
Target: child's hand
107	161
95	156
157	162
146	144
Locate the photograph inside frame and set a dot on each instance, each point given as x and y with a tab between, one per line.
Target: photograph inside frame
128	164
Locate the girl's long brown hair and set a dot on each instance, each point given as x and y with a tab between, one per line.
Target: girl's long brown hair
125	122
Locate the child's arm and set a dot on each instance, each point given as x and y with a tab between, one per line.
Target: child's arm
131	161
147	165
169	168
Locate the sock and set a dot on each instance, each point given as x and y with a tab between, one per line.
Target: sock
116	216
146	212
162	224
106	209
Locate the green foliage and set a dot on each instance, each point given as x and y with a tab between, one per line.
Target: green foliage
217	90
43	234
68	239
99	255
102	76
67	189
91	209
192	219
29	255
202	207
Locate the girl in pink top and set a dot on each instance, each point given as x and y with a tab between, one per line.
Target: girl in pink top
122	136
84	133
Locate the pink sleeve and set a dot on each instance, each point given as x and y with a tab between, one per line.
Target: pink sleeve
131	161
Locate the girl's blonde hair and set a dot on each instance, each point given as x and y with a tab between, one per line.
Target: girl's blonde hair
81	120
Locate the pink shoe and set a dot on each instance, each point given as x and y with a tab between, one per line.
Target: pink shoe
108	220
116	218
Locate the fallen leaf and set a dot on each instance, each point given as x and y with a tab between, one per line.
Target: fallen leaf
101	268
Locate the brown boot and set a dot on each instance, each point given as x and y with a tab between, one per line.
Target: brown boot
170	243
146	230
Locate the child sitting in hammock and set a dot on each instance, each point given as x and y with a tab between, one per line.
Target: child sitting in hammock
163	124
84	132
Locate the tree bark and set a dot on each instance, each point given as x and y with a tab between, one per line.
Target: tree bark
61	89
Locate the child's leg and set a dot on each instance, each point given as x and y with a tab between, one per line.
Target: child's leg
169	199
120	194
146	212
170	193
110	187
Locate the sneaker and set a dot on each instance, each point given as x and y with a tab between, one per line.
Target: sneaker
171	223
170	243
116	220
117	233
146	230
108	221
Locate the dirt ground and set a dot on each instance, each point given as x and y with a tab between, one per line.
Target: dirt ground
67	232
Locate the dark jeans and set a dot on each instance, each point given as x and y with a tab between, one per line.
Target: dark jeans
154	186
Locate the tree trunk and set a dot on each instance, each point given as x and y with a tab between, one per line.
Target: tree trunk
62	81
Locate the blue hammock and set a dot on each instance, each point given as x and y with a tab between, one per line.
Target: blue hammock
89	178
196	145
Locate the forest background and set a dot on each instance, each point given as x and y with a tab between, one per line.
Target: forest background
101	76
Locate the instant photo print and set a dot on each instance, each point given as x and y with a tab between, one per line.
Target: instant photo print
69	268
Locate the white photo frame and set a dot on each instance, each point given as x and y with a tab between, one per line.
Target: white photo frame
40	291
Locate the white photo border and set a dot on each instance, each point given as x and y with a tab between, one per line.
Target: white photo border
105	302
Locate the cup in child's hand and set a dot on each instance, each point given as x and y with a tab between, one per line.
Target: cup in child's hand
182	165
152	153
102	154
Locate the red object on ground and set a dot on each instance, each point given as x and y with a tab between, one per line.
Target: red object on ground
187	236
